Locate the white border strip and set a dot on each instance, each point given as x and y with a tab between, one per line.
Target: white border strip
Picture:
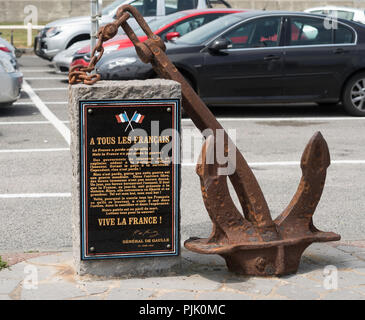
34	195
49	89
285	163
287	119
12	123
34	150
45	102
58	124
45	78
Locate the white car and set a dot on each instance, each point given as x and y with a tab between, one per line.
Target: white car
357	15
61	34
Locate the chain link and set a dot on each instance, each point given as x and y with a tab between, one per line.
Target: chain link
82	74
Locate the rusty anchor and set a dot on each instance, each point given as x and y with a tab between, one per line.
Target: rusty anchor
252	243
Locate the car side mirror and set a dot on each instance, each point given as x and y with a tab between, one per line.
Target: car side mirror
219	44
171	35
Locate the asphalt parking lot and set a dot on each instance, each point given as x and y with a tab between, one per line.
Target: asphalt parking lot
35	165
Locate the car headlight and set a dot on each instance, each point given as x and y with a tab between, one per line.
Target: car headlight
51	32
7	65
111	48
120	62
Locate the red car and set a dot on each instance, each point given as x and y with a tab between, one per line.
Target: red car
168	27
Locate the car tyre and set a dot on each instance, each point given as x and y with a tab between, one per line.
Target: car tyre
353	99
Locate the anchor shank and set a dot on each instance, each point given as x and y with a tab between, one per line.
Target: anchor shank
243	180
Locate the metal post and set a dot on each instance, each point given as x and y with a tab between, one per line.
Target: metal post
94	23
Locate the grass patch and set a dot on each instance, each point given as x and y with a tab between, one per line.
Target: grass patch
19	36
3	264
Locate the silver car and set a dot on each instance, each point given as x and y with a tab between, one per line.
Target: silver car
63	59
61	34
10	79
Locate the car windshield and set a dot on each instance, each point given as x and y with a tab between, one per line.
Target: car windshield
160	22
112	6
209	30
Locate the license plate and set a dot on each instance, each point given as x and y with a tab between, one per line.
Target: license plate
38	44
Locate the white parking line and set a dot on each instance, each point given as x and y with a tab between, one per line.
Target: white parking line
10	123
49	89
34	195
19	103
33	150
285	119
43	109
286	163
45	78
34	70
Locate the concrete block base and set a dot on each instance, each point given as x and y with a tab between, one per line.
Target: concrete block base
114	90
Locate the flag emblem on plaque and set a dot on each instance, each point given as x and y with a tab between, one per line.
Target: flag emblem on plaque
123	117
138	118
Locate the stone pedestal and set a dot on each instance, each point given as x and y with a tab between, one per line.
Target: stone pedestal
114	90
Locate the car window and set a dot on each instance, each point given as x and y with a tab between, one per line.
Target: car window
263	32
210	30
159	23
325	12
218	4
344	34
344	14
309	31
191	24
172	6
147	8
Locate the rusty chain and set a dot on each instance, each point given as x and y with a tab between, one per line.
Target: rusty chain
82	74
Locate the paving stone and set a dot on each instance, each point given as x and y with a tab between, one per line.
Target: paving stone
223	295
14	272
296	293
8	285
203	259
177	295
129	294
345	279
96	287
351	249
255	285
303	282
360	255
52	291
360	289
172	283
344	295
326	255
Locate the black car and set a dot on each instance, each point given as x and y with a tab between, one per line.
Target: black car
258	57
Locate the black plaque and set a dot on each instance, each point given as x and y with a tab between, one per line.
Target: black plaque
130	154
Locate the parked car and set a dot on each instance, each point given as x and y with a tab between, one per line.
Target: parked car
352	14
168	28
63	59
268	56
6	47
10	79
61	34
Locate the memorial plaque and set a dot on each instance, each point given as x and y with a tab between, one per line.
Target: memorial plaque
129	178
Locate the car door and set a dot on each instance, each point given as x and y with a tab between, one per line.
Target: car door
249	68
317	54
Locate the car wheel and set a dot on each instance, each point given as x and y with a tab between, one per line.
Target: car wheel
354	95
